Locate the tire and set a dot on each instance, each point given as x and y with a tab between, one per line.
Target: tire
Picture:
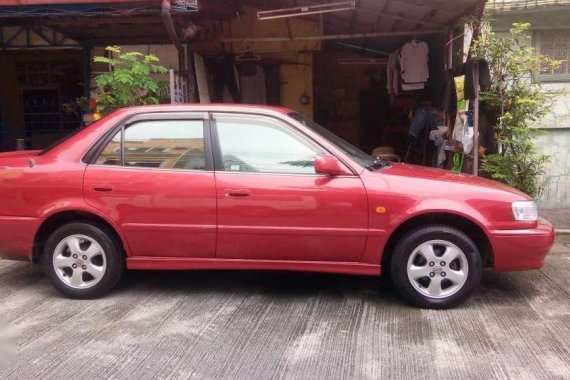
423	277
83	260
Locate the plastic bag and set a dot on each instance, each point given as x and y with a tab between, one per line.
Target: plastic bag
463	134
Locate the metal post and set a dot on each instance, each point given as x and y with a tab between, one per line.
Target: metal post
476	121
172	87
349	36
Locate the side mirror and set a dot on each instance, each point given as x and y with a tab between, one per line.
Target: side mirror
327	164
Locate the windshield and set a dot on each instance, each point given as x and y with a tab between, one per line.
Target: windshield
350	150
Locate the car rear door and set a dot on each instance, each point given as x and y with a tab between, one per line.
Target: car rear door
271	203
155	179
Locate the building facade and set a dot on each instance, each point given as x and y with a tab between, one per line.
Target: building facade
550	35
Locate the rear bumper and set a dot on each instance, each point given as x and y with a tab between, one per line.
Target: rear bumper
17	237
515	250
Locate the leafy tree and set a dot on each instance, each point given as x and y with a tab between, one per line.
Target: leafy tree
131	81
516	104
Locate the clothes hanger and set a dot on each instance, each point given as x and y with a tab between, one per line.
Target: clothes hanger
248	56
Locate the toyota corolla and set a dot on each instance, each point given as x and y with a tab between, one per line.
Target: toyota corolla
258	188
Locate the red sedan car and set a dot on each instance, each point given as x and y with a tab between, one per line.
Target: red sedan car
248	187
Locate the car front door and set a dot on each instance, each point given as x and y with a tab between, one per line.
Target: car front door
155	179
271	203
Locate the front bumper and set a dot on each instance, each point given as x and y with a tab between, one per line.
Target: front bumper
515	250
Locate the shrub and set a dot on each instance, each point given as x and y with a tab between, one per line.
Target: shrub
517	103
132	80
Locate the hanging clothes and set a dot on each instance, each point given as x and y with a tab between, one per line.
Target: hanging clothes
471	66
227	95
225	79
393	74
447	101
414	69
253	90
468	69
390	75
425	119
454	90
413	86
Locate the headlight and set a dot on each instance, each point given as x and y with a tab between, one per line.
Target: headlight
525	211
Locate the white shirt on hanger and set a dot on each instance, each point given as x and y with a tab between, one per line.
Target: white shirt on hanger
414	63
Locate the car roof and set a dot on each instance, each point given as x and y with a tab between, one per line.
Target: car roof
125	113
206	107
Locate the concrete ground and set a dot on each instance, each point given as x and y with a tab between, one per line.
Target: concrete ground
255	325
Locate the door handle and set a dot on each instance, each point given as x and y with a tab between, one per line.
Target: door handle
102	188
238	193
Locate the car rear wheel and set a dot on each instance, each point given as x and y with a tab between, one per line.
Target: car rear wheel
436	267
83	260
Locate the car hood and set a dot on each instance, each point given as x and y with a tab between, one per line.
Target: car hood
446	176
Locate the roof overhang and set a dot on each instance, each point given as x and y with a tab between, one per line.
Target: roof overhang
105	22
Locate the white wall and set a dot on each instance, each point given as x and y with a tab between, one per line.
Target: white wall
556	143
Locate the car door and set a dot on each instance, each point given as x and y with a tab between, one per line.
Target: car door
271	203
155	179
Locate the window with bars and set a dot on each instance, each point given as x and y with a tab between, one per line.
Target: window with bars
556	45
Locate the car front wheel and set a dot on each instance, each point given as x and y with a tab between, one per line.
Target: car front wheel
83	260
436	267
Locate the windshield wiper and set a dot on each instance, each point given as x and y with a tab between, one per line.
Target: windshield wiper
378	163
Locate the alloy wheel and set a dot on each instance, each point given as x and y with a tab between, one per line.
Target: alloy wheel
437	269
79	261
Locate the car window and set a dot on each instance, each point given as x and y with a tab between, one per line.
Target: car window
353	152
164	144
264	145
111	155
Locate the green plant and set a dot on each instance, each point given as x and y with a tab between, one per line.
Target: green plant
83	104
516	104
131	81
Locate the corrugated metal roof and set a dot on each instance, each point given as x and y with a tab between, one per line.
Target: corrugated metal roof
121	26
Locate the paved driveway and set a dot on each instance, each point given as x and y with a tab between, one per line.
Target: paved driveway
253	325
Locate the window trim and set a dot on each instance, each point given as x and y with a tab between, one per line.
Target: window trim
217	151
537	42
90	158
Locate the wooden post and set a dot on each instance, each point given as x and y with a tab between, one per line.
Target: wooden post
191	79
476	122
